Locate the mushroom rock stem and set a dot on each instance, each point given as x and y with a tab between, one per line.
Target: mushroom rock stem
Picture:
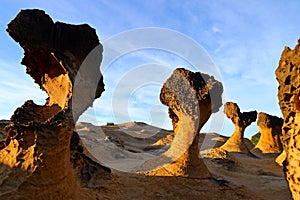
191	98
241	121
36	158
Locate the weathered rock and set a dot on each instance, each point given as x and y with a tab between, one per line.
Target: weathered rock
241	121
3	134
86	169
35	163
191	98
281	158
287	75
270	129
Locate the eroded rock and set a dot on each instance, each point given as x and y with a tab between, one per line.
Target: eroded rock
241	121
191	98
287	75
35	162
270	129
3	133
281	158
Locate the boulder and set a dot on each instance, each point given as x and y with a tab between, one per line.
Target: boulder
287	75
270	129
191	98
241	121
35	162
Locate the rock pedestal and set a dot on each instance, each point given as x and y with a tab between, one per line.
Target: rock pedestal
35	160
191	98
241	121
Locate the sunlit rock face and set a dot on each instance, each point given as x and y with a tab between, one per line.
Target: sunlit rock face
241	121
270	128
35	160
287	75
191	98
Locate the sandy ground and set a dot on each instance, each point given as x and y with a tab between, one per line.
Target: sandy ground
125	146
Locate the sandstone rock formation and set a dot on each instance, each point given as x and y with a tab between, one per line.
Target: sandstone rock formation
270	129
35	162
191	98
281	158
287	75
3	133
240	120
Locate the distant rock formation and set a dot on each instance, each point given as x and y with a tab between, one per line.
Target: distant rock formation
3	133
241	121
35	162
191	98
287	75
270	129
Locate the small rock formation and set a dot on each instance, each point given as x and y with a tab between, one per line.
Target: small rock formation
270	129
3	124
281	158
191	98
35	162
241	121
287	75
3	133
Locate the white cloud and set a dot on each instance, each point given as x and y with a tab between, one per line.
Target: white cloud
16	87
215	29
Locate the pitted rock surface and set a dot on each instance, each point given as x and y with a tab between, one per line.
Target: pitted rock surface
35	160
287	75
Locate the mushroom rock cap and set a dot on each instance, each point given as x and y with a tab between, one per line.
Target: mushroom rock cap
54	54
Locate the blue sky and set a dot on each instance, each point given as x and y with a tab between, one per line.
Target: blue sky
244	39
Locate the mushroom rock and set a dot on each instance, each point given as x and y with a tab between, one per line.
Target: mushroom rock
287	75
191	98
35	162
241	121
270	129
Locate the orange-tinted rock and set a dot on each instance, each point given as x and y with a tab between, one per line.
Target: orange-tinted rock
191	98
281	158
287	75
241	121
270	129
35	163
